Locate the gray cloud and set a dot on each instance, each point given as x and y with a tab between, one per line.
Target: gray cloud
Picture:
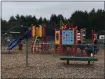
45	9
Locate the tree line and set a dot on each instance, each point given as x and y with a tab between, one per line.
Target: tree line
90	20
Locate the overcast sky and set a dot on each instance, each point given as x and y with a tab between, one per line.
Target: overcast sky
45	9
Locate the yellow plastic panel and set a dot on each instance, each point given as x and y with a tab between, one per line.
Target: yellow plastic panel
40	30
57	37
37	31
33	31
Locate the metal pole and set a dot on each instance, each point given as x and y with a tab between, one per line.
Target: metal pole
26	52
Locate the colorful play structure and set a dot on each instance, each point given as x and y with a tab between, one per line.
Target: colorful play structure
36	34
67	38
39	33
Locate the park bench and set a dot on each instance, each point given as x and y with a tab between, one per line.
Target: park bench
68	58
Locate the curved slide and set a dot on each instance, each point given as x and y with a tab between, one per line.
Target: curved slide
15	42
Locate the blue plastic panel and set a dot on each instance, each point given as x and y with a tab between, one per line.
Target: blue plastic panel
67	37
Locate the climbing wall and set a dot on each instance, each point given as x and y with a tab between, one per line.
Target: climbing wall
67	37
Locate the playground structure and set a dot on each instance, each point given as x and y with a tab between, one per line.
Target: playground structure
38	40
66	37
51	64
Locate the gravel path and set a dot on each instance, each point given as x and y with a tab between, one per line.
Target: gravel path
49	66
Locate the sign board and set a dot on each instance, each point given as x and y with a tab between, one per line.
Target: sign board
67	37
14	32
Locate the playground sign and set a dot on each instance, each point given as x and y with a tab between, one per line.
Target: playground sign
67	37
